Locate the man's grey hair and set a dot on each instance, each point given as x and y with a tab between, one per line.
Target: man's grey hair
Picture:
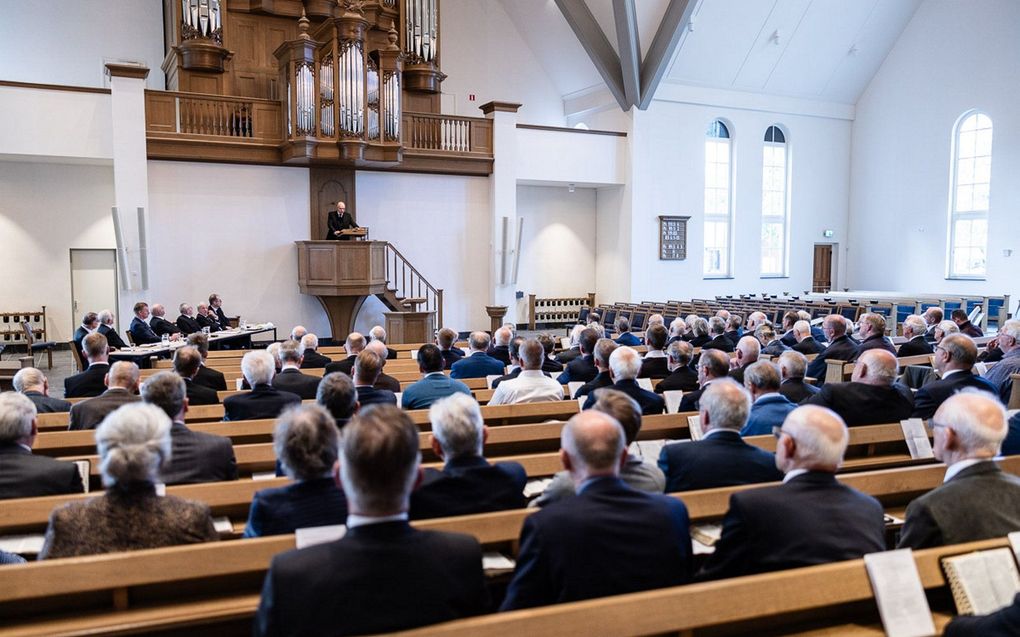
716	325
677	327
134	444
310	342
749	347
167	391
105	317
337	394
17	413
182	307
458	425
680	353
600	330
765	333
355	343
978	418
273	349
949	327
379	460
124	374
699	327
575	335
591	445
961	349
379	348
532	354
763	376
258	368
836	323
306	441
28	379
802	327
604	348
625	363
804	315
821	441
1010	328
378	333
298	333
478	341
503	335
792	364
727	404
716	362
291	352
882	365
656	318
915	324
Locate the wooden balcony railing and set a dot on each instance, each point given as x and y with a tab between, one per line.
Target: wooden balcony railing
240	119
447	133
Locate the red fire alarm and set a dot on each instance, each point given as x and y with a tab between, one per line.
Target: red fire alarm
471	97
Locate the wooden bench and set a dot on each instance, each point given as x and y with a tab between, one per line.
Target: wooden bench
837	371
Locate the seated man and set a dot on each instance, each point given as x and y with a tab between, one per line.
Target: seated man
954	358
806	344
635	472
500	345
445	339
290	377
655	363
681	376
604	348
699	332
588	546
32	383
791	373
977	500
383	575
367	368
22	473
378	334
746	353
841	347
478	364
721	458
206	376
932	317
872	396
160	325
264	400
216	310
207	318
811	518
384	381
194	456
107	329
531	385
1000	373
582	369
717	336
122	387
678	331
624	365
770	343
140	331
959	317
871	331
307	443
90	382
549	364
298	332
734	329
339	397
713	365
622	327
789	337
354	345
467	483
89	323
515	362
186	321
187	362
312	358
574	350
434	384
914	331
769	407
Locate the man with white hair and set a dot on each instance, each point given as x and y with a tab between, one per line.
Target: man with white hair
160	325
755	320
500	346
811	518
841	347
678	331
22	473
791	377
624	367
312	358
378	334
624	335
771	344
932	317
872	396
33	384
478	364
977	500
264	400
769	408
384	381
682	377
871	331
354	345
604	348
186	321
954	358
468	483
298	333
574	350
290	378
721	458
914	330
746	354
806	343
589	546
717	336
999	374
445	340
122	388
107	329
531	385
734	329
655	363
207	318
712	366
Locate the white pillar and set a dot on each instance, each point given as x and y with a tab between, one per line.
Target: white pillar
503	205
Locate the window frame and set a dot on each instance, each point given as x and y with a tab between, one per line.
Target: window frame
784	218
726	271
954	216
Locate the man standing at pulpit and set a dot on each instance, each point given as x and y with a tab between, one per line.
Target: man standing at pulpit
338	220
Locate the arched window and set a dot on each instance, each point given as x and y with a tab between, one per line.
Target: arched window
718	201
774	208
970	190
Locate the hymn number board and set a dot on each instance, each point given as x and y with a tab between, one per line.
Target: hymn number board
672	238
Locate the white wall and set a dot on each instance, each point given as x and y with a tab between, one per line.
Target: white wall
61	125
70	42
951	58
612	245
569	157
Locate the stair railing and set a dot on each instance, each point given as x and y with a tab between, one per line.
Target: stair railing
406	282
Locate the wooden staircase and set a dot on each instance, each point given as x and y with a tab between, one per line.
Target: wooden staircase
406	289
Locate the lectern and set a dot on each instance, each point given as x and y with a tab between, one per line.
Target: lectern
342	274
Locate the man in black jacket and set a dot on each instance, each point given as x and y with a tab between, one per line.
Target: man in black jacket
445	339
872	396
89	323
791	373
913	331
32	383
841	347
312	359
604	348
187	362
186	321
122	387
656	362
582	368
264	400
206	376
954	358
682	376
337	220
107	329
89	382
22	473
290	377
160	325
717	336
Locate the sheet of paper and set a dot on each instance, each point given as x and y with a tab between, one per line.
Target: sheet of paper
22	544
1014	542
980	369
672	398
312	535
492	561
706	534
648	450
645	383
580	402
900	596
892	520
84	468
160	489
694	422
414	354
489	379
399	396
223	525
535	488
263	475
565	342
466	351
573	386
916	437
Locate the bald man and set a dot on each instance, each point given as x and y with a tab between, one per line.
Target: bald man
872	396
122	388
977	500
385	381
809	519
354	345
159	324
953	360
588	546
841	347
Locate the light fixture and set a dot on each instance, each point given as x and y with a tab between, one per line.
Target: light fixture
774	38
570	187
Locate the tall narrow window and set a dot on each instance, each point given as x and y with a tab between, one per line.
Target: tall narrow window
968	206
718	201
773	203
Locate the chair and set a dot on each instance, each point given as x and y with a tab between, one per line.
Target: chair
131	338
41	346
76	356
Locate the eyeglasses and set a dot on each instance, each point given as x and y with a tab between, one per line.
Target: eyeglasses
778	432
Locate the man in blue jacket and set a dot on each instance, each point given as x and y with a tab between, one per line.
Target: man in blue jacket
478	364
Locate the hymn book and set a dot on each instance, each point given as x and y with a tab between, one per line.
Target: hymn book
916	437
672	398
694	422
899	594
982	582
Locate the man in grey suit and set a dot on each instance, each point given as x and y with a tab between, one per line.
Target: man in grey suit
194	456
22	473
122	385
32	383
977	500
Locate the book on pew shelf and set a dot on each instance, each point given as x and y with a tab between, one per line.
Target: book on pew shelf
916	437
496	563
983	581
645	383
580	402
694	422
1014	543
263	475
980	368
489	379
535	488
223	525
160	489
899	594
706	535
22	544
672	398
84	469
312	535
573	386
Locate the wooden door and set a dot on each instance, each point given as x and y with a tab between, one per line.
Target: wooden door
821	280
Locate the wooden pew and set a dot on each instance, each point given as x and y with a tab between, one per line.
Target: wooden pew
840	371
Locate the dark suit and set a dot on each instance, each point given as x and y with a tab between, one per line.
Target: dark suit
316	502
141	333
335	221
737	374
451	356
775	348
978	503
200	394
877	341
477	365
720	342
807	346
788	339
928	399
47	405
654	367
722	459
796	390
589	546
385	381
79	336
734	337
378	578
683	378
89	413
469	485
514	373
568	355
812	519
651	403
113	339
346	365
220	317
600	381
26	475
188	324
162	326
914	347
691	401
211	378
295	382
1003	623
264	401
581	369
198	457
1011	445
88	383
500	353
372	396
840	349
209	321
861	404
970	329
315	360
550	365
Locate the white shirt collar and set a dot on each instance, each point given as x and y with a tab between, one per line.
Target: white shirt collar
759	398
655	353
957	467
946	374
793	474
354	520
712	432
25	447
532	373
434	374
290	366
